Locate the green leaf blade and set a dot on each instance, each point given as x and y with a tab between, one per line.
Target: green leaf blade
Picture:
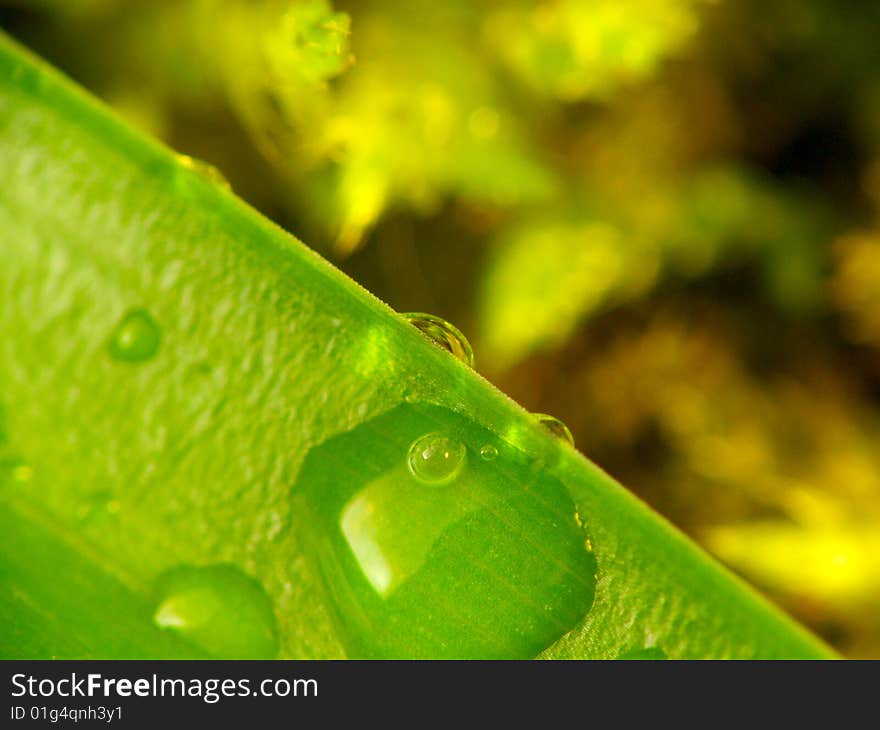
191	453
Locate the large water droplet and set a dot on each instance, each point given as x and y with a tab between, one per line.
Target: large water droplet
220	609
644	653
491	565
555	426
436	459
442	334
204	170
136	337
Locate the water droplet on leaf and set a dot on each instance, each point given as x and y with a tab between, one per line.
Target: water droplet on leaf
219	608
204	170
492	565
488	452
555	426
442	334
435	459
136	337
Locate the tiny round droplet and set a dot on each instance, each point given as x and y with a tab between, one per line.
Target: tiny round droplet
136	337
555	426
442	334
205	170
488	452
219	608
435	458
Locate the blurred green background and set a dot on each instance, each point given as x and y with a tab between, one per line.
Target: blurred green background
655	219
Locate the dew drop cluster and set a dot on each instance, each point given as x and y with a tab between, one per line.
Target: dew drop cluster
442	541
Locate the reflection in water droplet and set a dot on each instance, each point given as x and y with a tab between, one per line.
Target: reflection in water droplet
220	609
205	170
436	459
492	565
555	426
443	334
136	337
647	652
488	452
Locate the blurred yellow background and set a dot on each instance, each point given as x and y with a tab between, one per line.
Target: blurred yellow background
655	219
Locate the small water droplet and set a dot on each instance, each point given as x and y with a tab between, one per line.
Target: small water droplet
488	452
643	653
555	426
436	459
496	551
219	608
205	170
442	334
136	337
